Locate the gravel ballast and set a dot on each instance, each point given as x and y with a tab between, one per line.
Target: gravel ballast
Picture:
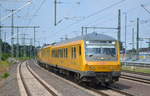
65	88
9	86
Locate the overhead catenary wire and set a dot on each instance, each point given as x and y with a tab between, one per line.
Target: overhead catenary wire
91	15
96	13
108	7
36	11
148	11
7	16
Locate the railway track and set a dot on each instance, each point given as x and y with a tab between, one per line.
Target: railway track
134	78
27	91
106	91
120	91
38	83
138	73
109	91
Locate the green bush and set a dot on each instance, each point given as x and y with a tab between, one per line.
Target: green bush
5	56
5	75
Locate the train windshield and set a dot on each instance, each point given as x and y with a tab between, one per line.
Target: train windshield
100	52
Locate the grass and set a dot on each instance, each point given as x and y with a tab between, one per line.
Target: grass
136	69
4	67
23	58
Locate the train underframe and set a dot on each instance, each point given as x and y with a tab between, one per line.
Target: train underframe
105	78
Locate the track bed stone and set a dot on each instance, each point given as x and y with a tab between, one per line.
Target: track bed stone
61	86
9	86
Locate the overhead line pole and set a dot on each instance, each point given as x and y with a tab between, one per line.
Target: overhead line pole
118	28
137	39
0	25
34	40
133	53
30	52
82	31
18	52
119	25
125	35
0	39
24	43
55	12
34	27
5	41
132	38
12	33
5	36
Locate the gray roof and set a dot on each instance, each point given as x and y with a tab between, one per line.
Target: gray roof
90	36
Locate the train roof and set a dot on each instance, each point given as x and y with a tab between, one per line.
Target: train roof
91	36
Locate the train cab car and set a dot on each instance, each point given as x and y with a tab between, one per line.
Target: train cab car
91	57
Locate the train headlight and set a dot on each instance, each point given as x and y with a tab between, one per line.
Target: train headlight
87	42
113	42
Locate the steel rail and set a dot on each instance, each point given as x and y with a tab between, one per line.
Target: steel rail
120	91
41	82
98	92
111	88
23	81
138	73
133	78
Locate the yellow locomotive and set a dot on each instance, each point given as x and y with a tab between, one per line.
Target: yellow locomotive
92	57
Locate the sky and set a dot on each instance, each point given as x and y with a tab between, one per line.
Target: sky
74	14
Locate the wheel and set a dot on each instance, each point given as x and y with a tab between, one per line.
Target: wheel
77	78
107	84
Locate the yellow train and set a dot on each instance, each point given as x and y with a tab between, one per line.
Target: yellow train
92	57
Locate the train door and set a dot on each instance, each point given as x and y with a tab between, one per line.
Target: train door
79	55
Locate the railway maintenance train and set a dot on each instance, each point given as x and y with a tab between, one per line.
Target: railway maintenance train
88	58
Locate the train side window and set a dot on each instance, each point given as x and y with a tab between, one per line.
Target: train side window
66	52
75	52
53	53
73	55
56	53
48	52
72	52
61	53
80	50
